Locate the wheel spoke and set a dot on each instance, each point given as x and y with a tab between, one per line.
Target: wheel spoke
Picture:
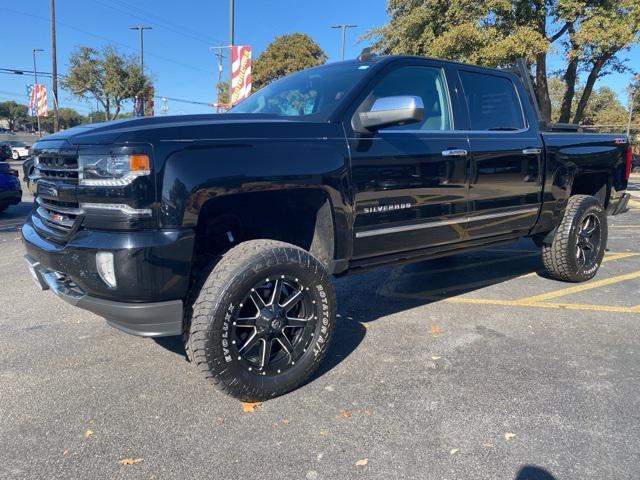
286	344
292	300
297	322
246	322
257	299
277	292
265	353
581	256
250	343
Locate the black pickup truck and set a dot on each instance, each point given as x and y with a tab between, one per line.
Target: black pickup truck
226	229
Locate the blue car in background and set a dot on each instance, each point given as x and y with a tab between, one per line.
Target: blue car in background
10	190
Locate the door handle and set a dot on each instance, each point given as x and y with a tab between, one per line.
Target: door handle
455	152
531	151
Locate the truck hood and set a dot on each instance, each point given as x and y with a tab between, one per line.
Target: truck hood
143	129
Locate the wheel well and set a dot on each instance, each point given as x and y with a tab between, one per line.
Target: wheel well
595	184
302	217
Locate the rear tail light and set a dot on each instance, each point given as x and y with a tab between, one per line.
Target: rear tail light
627	162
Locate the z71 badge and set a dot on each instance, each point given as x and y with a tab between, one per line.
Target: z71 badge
386	208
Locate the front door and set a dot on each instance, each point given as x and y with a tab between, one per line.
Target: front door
410	181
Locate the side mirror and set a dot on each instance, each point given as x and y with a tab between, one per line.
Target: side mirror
390	112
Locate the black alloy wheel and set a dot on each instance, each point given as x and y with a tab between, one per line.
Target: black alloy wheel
588	241
275	325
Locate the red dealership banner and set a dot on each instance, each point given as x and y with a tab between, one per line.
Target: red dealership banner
240	73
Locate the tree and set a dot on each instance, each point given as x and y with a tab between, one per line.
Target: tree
284	55
68	118
14	113
603	107
590	34
106	76
222	96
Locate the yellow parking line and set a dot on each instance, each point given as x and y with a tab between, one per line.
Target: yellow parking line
580	288
634	203
521	303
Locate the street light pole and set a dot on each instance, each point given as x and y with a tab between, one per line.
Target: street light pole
54	66
35	80
141	28
343	27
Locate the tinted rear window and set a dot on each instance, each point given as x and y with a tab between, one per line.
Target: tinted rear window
492	102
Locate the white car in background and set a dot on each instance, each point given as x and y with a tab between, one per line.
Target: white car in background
19	150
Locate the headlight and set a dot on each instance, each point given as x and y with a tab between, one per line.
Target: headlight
112	170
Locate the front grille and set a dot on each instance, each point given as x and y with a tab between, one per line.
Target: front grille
58	168
60	216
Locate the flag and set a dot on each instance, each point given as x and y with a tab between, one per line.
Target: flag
240	73
37	94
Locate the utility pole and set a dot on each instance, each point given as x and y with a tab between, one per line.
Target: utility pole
54	66
219	53
344	27
35	80
141	28
231	43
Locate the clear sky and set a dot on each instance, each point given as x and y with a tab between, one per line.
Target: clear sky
176	50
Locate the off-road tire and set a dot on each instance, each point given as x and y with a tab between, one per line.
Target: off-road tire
209	322
560	258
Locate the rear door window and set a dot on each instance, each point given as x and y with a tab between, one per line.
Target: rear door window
492	102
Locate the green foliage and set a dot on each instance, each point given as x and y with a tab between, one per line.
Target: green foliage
603	107
15	113
284	55
106	76
222	89
69	118
590	34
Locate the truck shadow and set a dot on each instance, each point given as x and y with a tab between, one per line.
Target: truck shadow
369	296
366	297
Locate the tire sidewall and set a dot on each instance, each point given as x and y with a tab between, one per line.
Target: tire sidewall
589	206
222	354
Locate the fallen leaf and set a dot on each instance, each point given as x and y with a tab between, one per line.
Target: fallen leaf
66	452
453	451
364	325
435	330
435	357
285	421
367	412
362	462
250	406
130	461
487	445
88	432
323	434
345	413
509	435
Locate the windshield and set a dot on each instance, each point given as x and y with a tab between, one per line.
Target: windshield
307	95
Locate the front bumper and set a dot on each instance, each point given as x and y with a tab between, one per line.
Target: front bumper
152	268
158	319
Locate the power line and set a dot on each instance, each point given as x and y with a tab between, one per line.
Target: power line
16	71
156	20
129	47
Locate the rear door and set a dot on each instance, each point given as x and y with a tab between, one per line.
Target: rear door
506	155
408	193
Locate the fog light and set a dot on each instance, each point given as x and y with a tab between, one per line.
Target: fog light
106	269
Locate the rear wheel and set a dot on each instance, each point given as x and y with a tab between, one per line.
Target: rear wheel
579	244
262	321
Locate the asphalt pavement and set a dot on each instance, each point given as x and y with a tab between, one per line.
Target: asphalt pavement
469	367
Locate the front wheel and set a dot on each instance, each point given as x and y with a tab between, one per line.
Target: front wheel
579	244
262	321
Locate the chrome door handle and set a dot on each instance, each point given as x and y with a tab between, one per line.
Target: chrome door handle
456	152
531	151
